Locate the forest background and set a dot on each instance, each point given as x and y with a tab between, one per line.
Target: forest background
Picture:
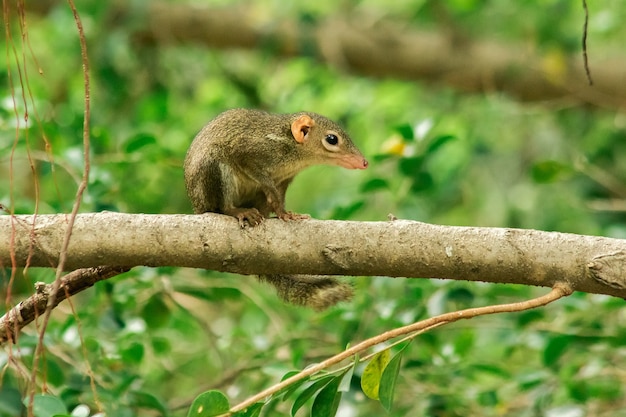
487	120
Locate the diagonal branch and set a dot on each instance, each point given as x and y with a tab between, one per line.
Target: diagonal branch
559	291
28	310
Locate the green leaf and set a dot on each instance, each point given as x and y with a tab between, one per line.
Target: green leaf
146	400
528	317
378	158
370	380
210	294
389	378
327	401
488	398
10	401
437	143
531	380
555	348
139	141
253	411
209	404
54	372
133	354
411	167
460	295
607	388
346	381
161	345
308	393
375	184
288	391
406	131
46	405
549	171
464	342
490	369
345	212
421	182
156	313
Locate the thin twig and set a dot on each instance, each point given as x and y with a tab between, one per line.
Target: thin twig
585	60
85	180
79	195
558	291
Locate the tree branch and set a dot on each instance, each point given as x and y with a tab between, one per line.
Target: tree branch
397	249
369	45
559	291
375	47
28	310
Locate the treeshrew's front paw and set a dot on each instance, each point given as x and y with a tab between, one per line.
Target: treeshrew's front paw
250	216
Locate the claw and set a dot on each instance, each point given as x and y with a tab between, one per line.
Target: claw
247	216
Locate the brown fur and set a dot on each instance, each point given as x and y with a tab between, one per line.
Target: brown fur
241	164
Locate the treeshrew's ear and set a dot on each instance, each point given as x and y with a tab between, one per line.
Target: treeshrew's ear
301	126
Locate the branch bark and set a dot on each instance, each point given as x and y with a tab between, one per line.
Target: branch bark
28	310
397	249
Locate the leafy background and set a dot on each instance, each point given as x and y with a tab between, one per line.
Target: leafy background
156	338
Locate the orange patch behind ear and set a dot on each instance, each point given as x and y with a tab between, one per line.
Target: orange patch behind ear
301	126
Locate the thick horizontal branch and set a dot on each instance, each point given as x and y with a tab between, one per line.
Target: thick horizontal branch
396	248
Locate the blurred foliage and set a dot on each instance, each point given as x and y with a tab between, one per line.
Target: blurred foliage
154	339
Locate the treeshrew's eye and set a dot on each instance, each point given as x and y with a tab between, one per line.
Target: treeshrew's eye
332	139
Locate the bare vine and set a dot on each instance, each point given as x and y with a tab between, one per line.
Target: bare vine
558	291
51	302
